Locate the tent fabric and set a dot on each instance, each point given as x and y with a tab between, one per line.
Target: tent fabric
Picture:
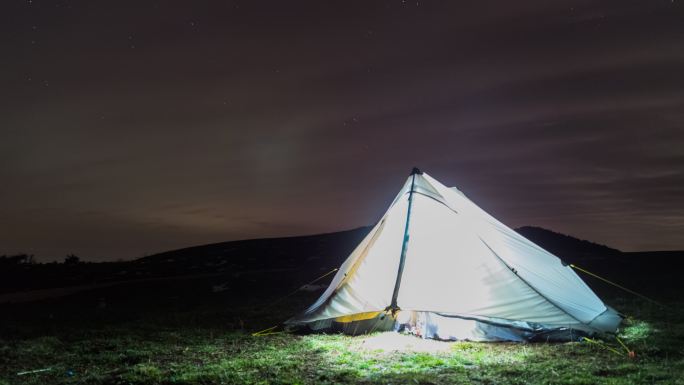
465	276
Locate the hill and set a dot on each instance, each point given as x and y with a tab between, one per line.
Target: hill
296	257
565	246
313	252
329	250
296	260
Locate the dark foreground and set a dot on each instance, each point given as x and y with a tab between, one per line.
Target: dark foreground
198	330
183	333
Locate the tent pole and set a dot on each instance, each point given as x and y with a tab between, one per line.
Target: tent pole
393	307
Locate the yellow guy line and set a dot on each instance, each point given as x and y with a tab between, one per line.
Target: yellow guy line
616	285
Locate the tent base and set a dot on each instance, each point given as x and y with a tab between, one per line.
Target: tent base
444	327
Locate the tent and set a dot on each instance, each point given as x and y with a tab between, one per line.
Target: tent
438	266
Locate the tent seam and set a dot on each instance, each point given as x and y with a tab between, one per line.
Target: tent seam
530	285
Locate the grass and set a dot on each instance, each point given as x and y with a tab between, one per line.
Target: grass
150	351
185	335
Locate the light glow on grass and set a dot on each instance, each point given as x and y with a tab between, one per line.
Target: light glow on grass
385	354
396	342
636	331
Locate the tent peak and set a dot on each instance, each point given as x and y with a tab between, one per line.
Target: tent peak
415	171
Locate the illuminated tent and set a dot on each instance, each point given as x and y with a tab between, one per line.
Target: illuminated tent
438	266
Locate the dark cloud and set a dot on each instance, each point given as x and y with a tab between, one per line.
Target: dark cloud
130	128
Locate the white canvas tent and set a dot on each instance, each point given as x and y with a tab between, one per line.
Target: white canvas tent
440	267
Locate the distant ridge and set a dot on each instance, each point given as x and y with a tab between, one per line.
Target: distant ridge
318	251
330	249
564	245
299	258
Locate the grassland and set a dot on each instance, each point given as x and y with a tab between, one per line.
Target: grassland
182	333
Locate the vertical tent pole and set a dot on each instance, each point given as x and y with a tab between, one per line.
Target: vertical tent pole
394	307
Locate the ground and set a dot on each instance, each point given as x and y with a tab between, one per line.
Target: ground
182	332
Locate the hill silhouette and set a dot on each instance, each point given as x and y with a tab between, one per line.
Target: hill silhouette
311	252
296	260
565	246
330	250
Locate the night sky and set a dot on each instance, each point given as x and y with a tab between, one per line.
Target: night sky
133	127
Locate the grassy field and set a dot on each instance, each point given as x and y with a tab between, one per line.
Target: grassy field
182	333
